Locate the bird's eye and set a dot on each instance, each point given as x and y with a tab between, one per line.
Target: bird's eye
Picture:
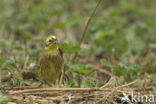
50	40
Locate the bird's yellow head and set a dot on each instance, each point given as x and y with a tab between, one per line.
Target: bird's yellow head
51	44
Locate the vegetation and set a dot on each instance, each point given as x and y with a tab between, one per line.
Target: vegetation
120	39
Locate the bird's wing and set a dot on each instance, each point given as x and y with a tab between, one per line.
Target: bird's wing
61	52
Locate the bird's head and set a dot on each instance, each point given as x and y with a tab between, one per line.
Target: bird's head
51	43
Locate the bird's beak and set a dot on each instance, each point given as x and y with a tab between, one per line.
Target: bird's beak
55	42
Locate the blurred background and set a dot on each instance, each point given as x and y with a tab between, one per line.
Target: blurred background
120	40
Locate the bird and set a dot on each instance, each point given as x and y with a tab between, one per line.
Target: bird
51	61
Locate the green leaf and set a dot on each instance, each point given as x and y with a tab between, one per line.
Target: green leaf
81	69
120	71
106	63
83	72
19	48
3	100
90	83
11	68
153	45
17	78
61	26
30	100
27	36
3	42
153	79
70	47
3	63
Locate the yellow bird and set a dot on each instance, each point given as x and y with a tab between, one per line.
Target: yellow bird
51	61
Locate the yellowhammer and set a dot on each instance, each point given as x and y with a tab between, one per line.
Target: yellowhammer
51	61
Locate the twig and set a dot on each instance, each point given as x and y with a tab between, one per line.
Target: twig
102	70
105	96
16	64
21	88
58	89
18	70
86	27
128	84
48	95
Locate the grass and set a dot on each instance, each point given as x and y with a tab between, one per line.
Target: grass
86	27
118	39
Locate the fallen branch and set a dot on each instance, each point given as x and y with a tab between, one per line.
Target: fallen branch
102	70
128	84
56	89
20	88
72	95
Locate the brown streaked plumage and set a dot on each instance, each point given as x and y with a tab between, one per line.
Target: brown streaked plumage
51	61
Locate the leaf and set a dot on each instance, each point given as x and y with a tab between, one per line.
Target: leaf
106	63
120	71
27	36
153	45
16	76
30	100
3	42
61	26
81	69
3	63
11	69
70	47
3	100
19	48
90	83
153	79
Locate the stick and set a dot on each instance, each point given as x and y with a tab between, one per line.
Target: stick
20	88
128	84
86	28
58	89
102	70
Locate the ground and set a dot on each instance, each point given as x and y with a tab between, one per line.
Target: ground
116	48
